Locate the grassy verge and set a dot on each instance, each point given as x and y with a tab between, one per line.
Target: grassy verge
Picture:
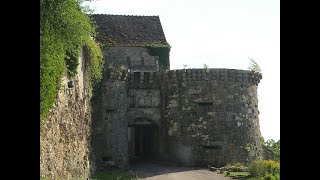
243	175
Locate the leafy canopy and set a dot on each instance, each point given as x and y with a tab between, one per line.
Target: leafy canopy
273	146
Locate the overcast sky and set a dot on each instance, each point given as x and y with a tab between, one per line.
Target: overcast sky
220	34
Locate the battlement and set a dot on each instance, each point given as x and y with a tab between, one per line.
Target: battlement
225	75
145	79
116	74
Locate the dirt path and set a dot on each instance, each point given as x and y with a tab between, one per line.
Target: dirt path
151	171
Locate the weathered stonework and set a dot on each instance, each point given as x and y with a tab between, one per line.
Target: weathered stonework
212	115
135	58
202	116
65	136
191	117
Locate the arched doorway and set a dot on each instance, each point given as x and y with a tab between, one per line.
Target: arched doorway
143	140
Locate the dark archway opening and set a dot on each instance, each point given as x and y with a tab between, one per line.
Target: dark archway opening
142	141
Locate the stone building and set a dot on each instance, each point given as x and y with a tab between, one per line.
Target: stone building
190	117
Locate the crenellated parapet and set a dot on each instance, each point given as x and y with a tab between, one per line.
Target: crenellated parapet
119	73
153	79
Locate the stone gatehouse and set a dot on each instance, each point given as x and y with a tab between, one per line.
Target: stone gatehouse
190	116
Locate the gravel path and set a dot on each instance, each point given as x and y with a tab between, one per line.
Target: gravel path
152	171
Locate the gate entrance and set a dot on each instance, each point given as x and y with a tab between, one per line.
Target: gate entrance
142	140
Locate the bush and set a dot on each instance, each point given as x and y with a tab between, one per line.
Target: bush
237	167
274	147
265	168
271	177
256	169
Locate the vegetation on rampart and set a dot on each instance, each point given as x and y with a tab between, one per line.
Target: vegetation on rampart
64	30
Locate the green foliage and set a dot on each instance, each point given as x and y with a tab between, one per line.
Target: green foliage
72	60
236	165
113	175
95	61
256	169
271	177
254	65
237	175
161	50
239	165
206	67
52	68
274	147
261	168
249	147
64	28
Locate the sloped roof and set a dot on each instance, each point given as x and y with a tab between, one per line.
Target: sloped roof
123	30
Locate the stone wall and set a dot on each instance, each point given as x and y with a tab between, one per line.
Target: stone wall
65	135
201	116
110	125
207	116
212	116
136	58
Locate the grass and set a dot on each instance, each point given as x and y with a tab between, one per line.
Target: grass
113	175
238	174
248	176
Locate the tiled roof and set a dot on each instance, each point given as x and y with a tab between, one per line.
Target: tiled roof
123	30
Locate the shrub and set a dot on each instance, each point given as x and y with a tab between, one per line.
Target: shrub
264	168
254	65
256	169
273	167
237	167
271	177
274	147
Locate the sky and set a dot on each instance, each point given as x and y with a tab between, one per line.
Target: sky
220	34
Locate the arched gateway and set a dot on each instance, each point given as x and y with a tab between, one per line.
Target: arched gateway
143	137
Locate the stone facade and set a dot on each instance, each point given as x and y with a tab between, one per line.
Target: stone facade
135	58
65	136
190	117
212	116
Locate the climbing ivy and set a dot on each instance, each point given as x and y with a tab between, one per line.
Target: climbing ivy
95	61
248	147
72	60
64	29
161	50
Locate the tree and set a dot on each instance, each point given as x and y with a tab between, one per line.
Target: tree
274	147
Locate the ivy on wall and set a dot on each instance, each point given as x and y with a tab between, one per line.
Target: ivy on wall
64	29
72	60
161	50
